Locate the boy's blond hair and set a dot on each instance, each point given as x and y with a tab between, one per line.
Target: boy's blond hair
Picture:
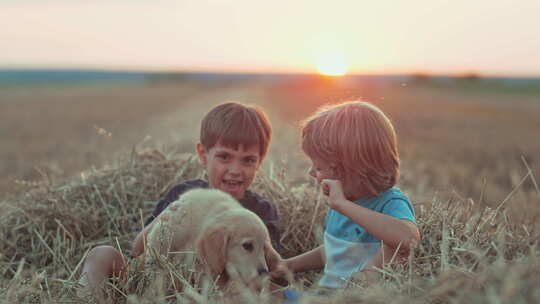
233	124
359	142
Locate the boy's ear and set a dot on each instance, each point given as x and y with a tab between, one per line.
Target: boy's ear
201	151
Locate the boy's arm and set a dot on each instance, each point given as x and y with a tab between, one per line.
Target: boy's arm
139	242
271	255
392	231
313	259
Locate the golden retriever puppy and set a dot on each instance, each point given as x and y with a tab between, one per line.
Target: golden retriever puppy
228	238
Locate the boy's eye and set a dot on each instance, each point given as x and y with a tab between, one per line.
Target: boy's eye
250	160
223	156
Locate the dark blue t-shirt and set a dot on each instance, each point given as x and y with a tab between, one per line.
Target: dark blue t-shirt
251	201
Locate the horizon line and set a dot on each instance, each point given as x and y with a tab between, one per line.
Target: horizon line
195	70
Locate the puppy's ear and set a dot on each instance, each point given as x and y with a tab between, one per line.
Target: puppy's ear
212	248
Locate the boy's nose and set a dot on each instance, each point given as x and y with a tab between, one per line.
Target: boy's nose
235	168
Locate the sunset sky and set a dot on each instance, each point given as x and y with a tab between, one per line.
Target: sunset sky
492	37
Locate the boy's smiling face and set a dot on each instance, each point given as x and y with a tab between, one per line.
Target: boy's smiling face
230	170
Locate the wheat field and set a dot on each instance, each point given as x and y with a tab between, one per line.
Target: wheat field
80	166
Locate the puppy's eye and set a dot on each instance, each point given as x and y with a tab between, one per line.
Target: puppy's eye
248	246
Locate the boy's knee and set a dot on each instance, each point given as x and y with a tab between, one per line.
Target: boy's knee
103	252
105	257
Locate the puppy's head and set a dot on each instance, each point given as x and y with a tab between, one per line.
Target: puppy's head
234	245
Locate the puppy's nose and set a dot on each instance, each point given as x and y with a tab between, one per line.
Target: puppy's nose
262	271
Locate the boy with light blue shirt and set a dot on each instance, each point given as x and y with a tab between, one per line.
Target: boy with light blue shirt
353	150
348	246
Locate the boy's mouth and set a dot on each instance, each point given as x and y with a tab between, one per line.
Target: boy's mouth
232	182
232	185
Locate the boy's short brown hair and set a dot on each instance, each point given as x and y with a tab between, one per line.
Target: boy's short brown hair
358	139
233	124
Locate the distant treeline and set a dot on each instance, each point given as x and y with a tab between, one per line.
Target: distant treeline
22	77
475	81
33	77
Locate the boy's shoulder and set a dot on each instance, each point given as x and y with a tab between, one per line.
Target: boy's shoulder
253	200
375	202
392	193
173	194
397	204
389	199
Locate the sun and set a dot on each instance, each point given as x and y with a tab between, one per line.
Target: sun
332	64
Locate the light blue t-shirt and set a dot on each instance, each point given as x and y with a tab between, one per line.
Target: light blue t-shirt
348	247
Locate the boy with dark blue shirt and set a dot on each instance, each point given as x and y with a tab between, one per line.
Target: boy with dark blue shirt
234	140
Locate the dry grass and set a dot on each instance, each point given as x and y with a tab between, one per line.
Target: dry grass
478	243
49	133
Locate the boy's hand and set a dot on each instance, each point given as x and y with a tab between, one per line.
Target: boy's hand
334	190
281	270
